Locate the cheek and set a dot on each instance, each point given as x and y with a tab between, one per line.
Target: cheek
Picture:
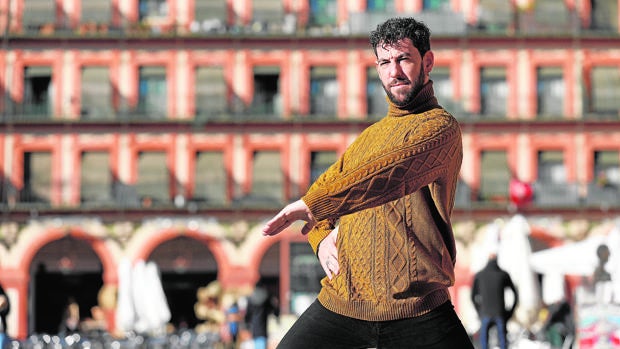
383	75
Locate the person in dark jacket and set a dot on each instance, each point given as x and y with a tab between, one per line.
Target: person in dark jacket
488	297
260	305
5	308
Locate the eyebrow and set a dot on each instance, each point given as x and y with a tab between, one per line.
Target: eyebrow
402	55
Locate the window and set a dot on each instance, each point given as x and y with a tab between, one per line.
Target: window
380	5
605	15
323	12
323	91
551	167
305	275
375	95
37	177
442	84
603	191
436	5
494	15
604	99
153	8
319	162
552	15
153	94
212	13
495	176
153	180
96	94
268	11
493	92
38	93
98	11
267	177
552	187
38	13
211	99
210	177
607	167
550	92
95	178
266	102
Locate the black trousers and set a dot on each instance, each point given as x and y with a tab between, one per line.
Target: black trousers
319	328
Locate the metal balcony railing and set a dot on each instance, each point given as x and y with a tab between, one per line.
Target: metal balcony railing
556	194
493	17
602	195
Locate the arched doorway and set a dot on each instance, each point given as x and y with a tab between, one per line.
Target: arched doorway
185	264
63	269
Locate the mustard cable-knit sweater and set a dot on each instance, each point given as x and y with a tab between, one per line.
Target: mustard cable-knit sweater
391	194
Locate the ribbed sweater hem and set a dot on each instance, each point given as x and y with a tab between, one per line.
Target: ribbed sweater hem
384	311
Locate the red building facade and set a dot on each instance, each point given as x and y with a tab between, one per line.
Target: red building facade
169	130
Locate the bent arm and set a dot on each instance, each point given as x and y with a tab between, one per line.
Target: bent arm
388	173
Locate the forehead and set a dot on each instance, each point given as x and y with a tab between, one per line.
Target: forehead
403	46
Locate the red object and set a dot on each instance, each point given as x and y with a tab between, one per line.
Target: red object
521	193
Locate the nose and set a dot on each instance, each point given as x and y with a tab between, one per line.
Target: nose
394	70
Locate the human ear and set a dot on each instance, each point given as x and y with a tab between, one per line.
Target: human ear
428	61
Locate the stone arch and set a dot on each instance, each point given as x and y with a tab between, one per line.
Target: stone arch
149	245
182	299
48	235
34	237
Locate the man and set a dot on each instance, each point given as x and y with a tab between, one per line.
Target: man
260	306
488	296
390	261
5	308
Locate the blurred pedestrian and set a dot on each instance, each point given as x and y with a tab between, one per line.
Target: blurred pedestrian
5	308
233	318
601	278
559	325
260	306
488	296
70	319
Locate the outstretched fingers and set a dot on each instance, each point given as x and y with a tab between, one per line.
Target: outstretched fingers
297	210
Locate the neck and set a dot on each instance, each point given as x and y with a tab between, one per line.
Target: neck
423	101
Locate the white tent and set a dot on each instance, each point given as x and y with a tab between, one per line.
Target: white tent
125	312
149	299
142	306
577	258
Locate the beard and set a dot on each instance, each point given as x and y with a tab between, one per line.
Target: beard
408	99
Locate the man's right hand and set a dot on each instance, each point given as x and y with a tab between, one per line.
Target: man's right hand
328	254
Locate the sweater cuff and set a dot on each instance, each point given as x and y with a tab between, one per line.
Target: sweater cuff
318	205
315	236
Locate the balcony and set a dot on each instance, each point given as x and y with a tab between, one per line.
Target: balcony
602	195
494	17
442	22
551	194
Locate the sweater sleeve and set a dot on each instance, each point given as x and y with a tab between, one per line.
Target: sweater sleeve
389	170
320	232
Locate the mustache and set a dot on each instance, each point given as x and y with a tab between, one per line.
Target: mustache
396	81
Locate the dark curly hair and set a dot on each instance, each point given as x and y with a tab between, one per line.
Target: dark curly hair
396	29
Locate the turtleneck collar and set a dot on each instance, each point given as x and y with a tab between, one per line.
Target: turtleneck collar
425	100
